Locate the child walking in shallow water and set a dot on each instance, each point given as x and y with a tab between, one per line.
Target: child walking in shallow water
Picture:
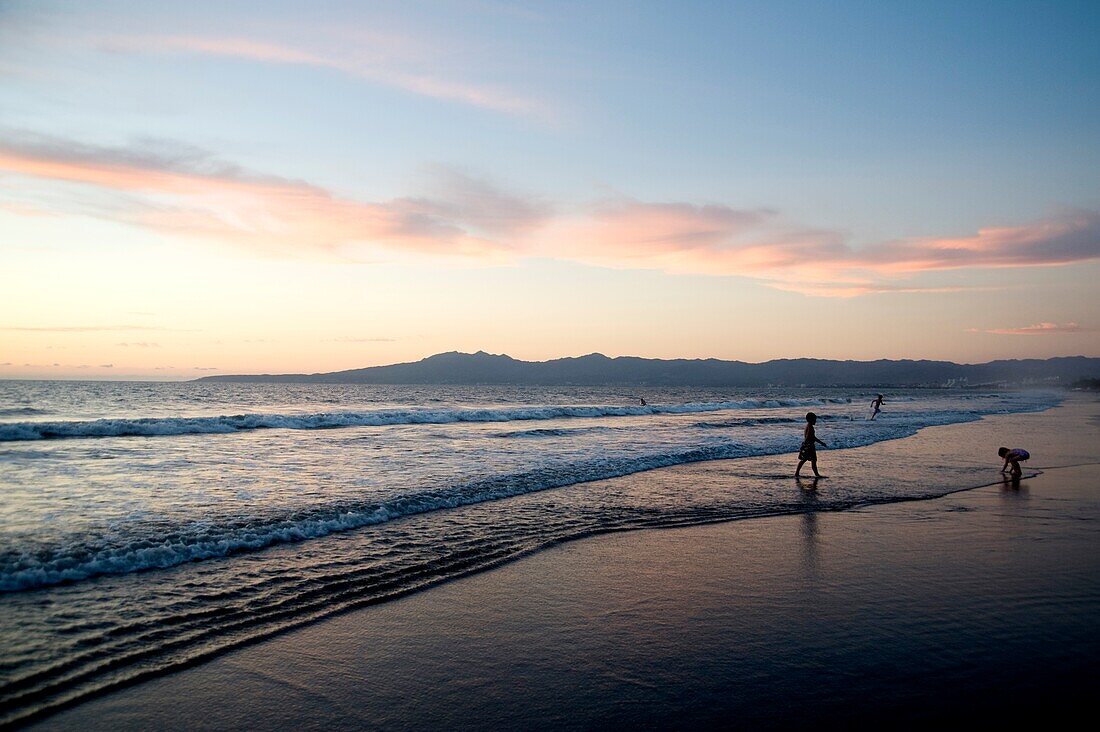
808	451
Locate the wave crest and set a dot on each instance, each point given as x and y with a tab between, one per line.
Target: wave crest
225	424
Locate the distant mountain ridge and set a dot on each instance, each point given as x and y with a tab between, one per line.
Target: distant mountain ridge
595	369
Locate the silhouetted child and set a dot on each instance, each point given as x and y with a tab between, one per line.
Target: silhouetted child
808	451
1014	458
876	405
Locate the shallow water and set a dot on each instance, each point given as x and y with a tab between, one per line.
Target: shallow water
145	525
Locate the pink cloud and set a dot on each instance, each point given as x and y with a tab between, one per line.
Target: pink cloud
674	237
1072	236
719	240
189	192
1037	329
636	229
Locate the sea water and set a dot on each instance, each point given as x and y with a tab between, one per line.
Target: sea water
147	525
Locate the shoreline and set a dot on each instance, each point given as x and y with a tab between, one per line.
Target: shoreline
85	708
687	462
650	487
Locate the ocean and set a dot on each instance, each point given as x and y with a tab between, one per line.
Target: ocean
149	525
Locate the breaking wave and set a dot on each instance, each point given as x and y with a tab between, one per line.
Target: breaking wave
225	424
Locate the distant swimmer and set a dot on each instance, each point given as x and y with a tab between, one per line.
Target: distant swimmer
1013	457
808	451
876	405
643	401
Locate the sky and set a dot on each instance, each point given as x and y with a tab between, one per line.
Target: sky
197	188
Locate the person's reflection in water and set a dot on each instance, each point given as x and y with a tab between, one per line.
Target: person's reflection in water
809	525
1011	483
806	485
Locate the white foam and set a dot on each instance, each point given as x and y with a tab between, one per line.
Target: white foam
198	541
161	426
124	552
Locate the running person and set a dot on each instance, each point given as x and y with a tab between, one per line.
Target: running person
876	405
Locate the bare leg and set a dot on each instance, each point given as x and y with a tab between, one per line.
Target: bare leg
799	468
1016	469
813	464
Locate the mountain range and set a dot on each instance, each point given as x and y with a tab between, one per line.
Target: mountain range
597	370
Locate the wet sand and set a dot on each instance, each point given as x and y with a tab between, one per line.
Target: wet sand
983	604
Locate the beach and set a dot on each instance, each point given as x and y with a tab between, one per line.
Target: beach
147	528
453	365
982	603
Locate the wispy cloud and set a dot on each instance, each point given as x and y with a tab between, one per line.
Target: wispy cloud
1033	330
851	289
186	191
80	329
376	59
364	340
138	344
23	209
453	195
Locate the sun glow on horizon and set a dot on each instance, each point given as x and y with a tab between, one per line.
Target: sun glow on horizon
354	187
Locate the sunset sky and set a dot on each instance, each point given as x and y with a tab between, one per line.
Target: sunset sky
213	187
